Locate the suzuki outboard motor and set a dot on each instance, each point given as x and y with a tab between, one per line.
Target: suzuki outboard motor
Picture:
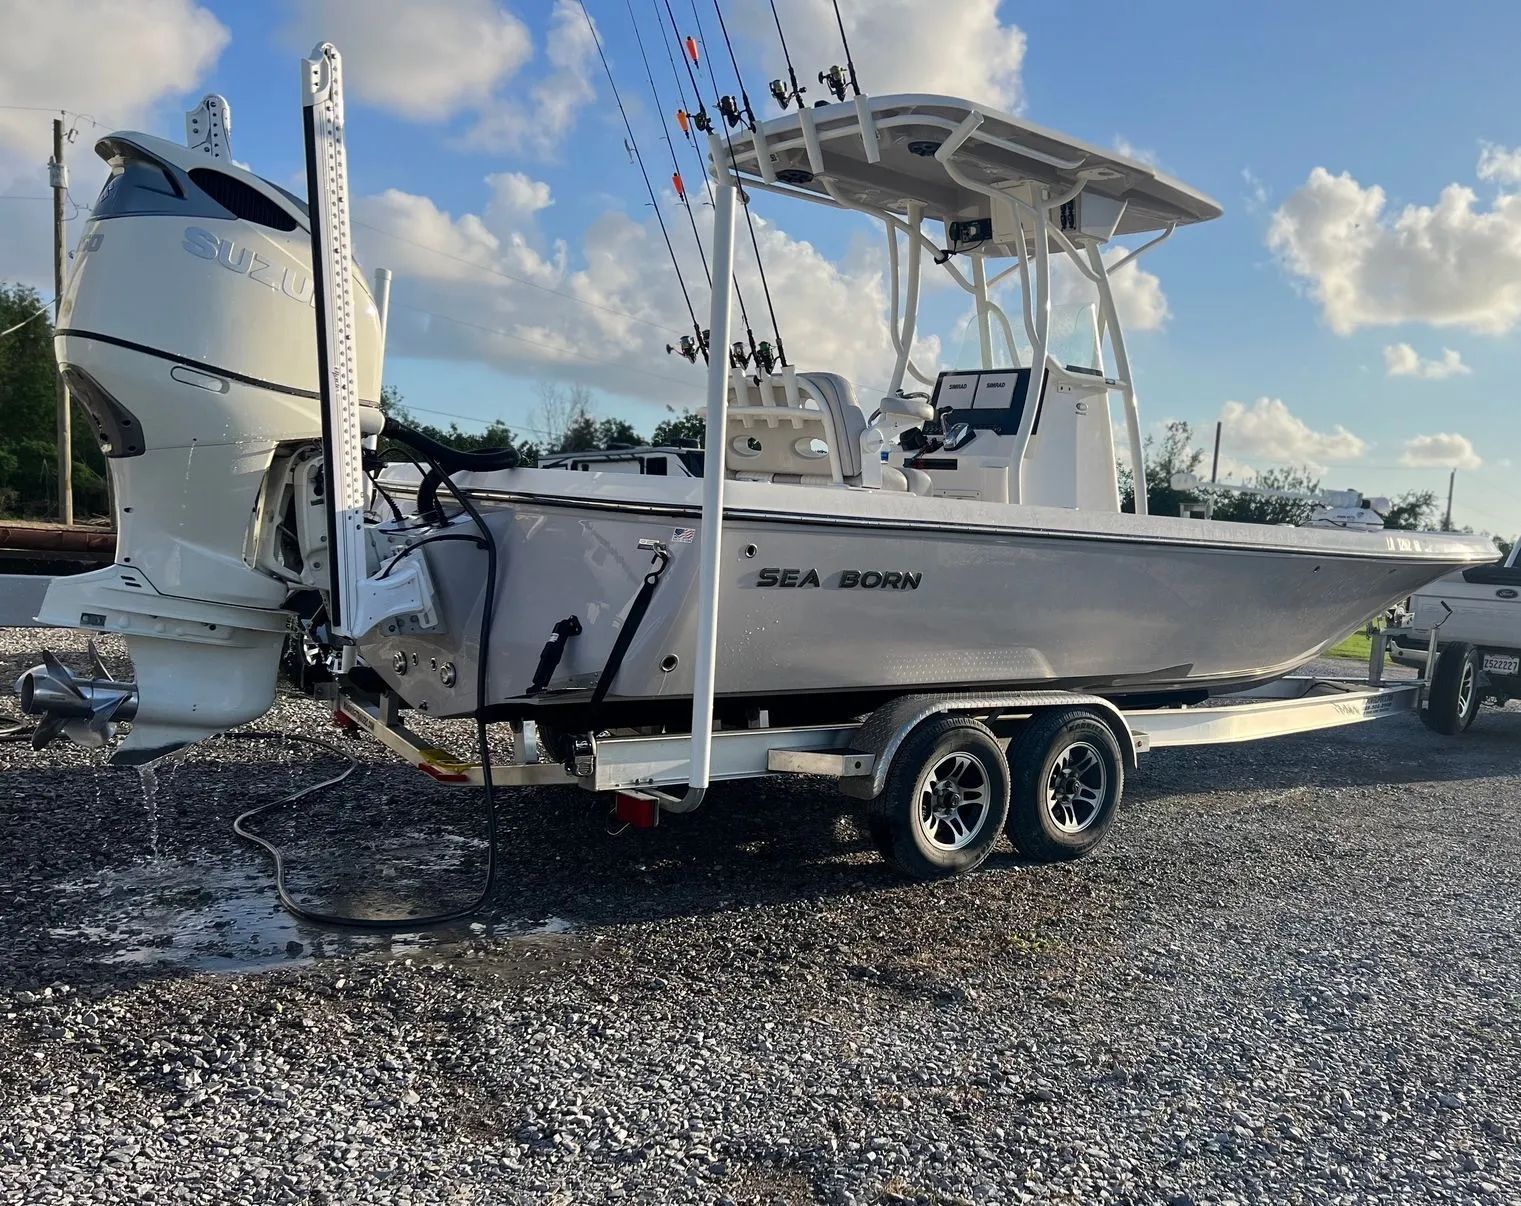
187	332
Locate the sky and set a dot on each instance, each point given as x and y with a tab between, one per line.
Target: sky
1355	310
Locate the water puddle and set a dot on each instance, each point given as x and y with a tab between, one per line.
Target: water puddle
226	918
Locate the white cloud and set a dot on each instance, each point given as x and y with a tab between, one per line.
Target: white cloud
1137	293
555	101
1130	151
1256	191
956	47
1444	450
426	62
623	304
1402	360
1448	264
1499	163
115	62
1269	430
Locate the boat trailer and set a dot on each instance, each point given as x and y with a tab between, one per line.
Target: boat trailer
879	758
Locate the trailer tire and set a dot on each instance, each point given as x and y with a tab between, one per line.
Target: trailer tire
1456	691
1068	776
925	821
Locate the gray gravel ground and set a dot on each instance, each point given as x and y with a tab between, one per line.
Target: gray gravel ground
1291	976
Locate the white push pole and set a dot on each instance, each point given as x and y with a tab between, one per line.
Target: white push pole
338	370
705	668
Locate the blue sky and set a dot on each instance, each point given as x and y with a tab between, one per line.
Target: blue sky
1241	101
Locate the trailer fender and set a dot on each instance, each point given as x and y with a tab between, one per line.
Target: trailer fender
884	731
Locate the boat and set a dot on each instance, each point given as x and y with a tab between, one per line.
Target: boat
960	531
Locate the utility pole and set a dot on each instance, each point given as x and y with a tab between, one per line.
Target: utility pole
1214	469
58	177
1452	480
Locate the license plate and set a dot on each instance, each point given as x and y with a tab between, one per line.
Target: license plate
1502	663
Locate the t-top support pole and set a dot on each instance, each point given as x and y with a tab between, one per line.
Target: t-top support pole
705	667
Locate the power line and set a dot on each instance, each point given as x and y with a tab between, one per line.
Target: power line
649	188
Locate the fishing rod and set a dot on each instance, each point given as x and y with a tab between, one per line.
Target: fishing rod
689	351
831	78
732	117
778	89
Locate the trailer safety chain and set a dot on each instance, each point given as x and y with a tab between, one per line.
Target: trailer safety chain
631	622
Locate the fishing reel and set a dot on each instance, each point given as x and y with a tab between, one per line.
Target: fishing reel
739	355
700	119
765	357
835	80
784	96
688	348
729	108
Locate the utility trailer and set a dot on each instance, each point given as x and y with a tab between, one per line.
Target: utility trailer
940	774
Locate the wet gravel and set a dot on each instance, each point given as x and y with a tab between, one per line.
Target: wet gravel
1292	975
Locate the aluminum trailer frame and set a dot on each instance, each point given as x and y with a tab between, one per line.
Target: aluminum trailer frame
858	752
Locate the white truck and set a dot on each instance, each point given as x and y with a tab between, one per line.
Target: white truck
1476	615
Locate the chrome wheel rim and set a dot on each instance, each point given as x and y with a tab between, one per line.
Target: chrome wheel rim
1076	787
1465	689
953	801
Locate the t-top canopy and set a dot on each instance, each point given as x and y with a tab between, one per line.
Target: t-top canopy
880	152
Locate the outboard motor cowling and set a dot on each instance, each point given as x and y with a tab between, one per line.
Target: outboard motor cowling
187	331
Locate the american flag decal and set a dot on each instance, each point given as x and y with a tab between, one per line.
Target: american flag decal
683	535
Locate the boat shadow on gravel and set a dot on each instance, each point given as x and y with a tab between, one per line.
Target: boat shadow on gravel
86	897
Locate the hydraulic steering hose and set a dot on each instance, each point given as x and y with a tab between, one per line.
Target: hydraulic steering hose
452	462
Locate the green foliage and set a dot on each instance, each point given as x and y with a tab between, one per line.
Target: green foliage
1413	511
496	435
28	403
1246	508
614	433
1174	454
689	425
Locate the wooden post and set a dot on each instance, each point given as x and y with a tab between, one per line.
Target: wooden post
59	178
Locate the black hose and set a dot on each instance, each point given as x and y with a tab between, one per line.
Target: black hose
488	607
13	728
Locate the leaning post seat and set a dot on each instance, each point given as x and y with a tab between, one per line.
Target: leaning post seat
799	428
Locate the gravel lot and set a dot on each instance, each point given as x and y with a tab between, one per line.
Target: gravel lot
1291	976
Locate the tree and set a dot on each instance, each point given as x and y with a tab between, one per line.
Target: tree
617	433
689	425
28	402
1502	544
496	435
1175	454
562	407
1251	508
1413	511
580	436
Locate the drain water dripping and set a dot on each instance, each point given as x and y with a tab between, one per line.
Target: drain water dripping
148	775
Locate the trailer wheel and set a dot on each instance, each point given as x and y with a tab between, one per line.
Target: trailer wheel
1068	777
1454	696
945	799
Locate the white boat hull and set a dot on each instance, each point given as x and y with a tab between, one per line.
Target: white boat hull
829	593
